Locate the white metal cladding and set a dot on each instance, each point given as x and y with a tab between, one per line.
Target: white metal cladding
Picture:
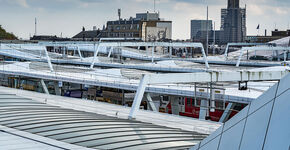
264	124
89	129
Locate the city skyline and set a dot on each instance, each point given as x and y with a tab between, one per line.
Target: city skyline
68	16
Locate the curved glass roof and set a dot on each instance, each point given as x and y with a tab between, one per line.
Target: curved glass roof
89	129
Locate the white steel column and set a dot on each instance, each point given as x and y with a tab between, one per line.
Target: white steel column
240	57
170	51
110	52
227	112
44	87
151	103
278	57
152	56
96	51
285	56
48	60
138	97
204	57
203	109
174	105
56	88
79	51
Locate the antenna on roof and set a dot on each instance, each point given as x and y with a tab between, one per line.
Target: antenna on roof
35	26
119	14
154	5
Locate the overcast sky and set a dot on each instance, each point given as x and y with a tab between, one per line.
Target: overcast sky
68	16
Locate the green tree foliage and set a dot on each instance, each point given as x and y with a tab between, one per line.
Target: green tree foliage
5	35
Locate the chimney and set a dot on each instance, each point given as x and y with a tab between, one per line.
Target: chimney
265	32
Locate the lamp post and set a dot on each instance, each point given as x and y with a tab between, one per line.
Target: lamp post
207	30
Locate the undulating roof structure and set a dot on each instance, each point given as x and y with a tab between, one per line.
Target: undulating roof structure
86	129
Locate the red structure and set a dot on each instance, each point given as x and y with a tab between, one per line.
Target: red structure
189	108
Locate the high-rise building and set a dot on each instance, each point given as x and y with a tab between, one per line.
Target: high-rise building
199	26
233	22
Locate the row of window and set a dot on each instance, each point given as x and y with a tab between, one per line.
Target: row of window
191	102
124	27
123	34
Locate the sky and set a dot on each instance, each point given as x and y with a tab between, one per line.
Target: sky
69	16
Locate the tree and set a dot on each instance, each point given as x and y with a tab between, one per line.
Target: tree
5	35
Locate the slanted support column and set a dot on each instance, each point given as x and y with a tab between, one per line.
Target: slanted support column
80	54
174	105
96	51
138	97
151	103
204	57
240	57
44	86
110	52
48	60
203	109
227	112
56	88
226	52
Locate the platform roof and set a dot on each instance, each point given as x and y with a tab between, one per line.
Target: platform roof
120	79
89	129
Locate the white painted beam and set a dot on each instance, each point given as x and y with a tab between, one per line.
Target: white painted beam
96	51
110	52
80	54
221	76
44	86
151	103
48	60
227	112
138	97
